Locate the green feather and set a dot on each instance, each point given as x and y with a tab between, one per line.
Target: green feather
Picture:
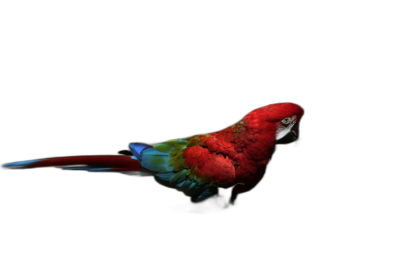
180	146
164	147
179	177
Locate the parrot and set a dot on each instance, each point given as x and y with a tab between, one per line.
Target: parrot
236	156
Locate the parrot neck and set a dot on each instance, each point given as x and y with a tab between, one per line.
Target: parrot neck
257	140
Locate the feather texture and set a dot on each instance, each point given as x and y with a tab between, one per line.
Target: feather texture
235	156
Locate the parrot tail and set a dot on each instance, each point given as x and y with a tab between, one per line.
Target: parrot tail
112	163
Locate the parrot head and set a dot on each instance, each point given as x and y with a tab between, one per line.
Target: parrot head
286	117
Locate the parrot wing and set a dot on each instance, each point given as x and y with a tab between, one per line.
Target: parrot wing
187	165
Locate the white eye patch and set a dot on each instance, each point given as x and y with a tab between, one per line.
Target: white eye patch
283	130
286	121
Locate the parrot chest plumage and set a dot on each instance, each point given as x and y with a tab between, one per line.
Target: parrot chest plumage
252	158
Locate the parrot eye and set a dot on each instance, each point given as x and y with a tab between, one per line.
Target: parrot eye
286	121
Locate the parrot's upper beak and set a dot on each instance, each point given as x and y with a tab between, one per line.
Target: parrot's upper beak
292	136
296	130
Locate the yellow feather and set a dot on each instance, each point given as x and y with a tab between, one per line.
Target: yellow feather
178	164
172	142
174	152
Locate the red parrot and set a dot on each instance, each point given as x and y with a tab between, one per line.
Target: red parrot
235	156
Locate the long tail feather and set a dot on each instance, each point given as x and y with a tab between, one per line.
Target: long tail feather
111	163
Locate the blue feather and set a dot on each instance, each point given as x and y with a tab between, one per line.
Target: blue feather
20	164
100	169
206	194
137	149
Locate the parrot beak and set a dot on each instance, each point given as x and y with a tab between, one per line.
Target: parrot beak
296	130
292	136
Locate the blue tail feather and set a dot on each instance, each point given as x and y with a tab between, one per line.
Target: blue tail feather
20	164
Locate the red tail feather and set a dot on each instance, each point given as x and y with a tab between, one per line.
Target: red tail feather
117	163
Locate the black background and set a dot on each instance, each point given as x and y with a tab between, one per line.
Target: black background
91	88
